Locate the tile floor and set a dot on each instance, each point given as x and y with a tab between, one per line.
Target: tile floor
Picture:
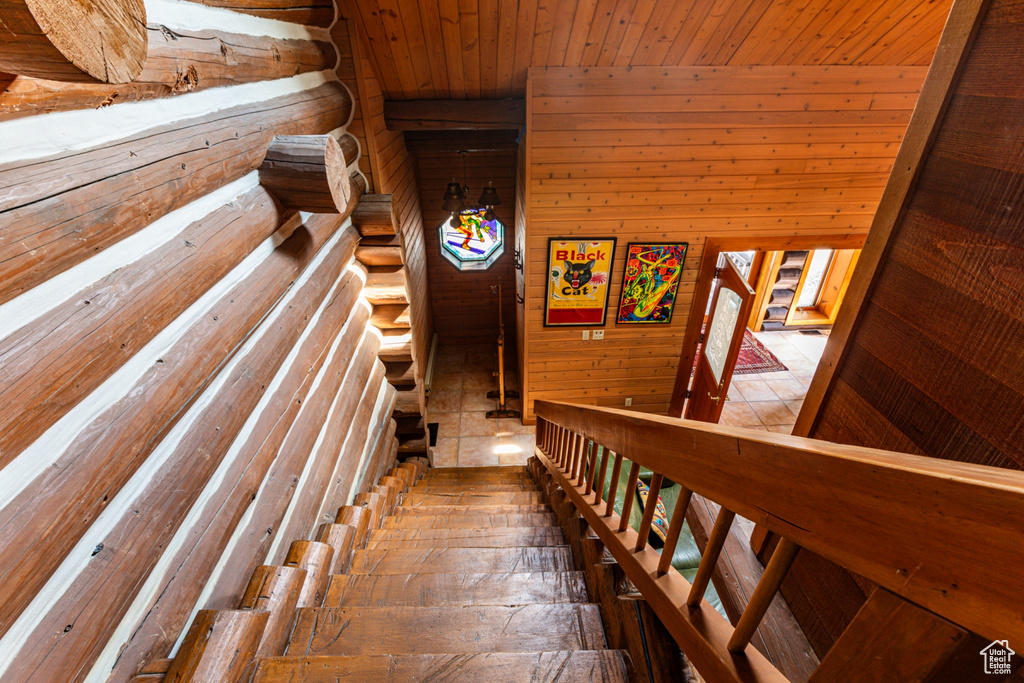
458	403
770	401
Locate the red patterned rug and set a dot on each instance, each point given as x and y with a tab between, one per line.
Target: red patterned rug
754	357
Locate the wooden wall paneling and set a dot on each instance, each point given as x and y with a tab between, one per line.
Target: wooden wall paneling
58	359
464	309
488	48
356	351
60	211
600	163
102	595
192	566
520	245
309	12
178	62
454	114
921	132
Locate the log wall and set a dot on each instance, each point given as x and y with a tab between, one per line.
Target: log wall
684	154
188	382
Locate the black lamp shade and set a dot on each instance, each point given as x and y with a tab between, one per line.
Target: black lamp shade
489	197
454	198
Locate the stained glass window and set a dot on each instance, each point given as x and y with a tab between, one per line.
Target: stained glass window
475	243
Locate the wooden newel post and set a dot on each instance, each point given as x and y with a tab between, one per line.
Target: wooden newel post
307	172
85	41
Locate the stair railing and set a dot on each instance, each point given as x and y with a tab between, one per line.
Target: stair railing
943	535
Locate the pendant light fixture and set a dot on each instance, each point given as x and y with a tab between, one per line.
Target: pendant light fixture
456	194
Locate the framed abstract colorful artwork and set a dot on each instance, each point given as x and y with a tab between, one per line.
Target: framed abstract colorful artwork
579	275
650	282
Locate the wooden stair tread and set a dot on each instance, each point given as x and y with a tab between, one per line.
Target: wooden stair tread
469	521
596	666
456	630
448	510
436	590
417	499
461	560
477	471
465	538
448	489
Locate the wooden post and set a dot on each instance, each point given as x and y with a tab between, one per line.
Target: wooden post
308	173
85	41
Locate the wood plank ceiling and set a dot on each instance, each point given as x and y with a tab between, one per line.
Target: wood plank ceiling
481	49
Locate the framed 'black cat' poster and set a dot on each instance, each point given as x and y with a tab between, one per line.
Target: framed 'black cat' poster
579	276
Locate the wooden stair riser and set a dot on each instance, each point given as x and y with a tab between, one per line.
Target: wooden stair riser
457	630
445	589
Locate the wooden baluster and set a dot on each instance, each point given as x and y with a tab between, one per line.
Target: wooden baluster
601	473
674	527
563	448
613	488
763	595
652	505
542	433
711	552
574	450
559	445
592	469
627	503
585	450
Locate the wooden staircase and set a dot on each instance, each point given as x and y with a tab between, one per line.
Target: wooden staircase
468	578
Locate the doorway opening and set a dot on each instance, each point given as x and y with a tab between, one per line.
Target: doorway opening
769	304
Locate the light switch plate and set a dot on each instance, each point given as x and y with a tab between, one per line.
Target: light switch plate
629	402
586	335
598	334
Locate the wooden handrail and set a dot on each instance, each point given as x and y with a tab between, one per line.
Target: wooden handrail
938	533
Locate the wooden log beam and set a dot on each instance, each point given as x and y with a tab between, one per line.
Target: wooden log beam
58	212
101	596
309	12
280	480
276	591
219	647
374	215
307	173
335	466
379	256
57	360
390	317
178	62
455	114
386	285
155	636
95	40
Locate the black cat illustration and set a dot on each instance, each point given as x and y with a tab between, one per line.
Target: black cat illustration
578	274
